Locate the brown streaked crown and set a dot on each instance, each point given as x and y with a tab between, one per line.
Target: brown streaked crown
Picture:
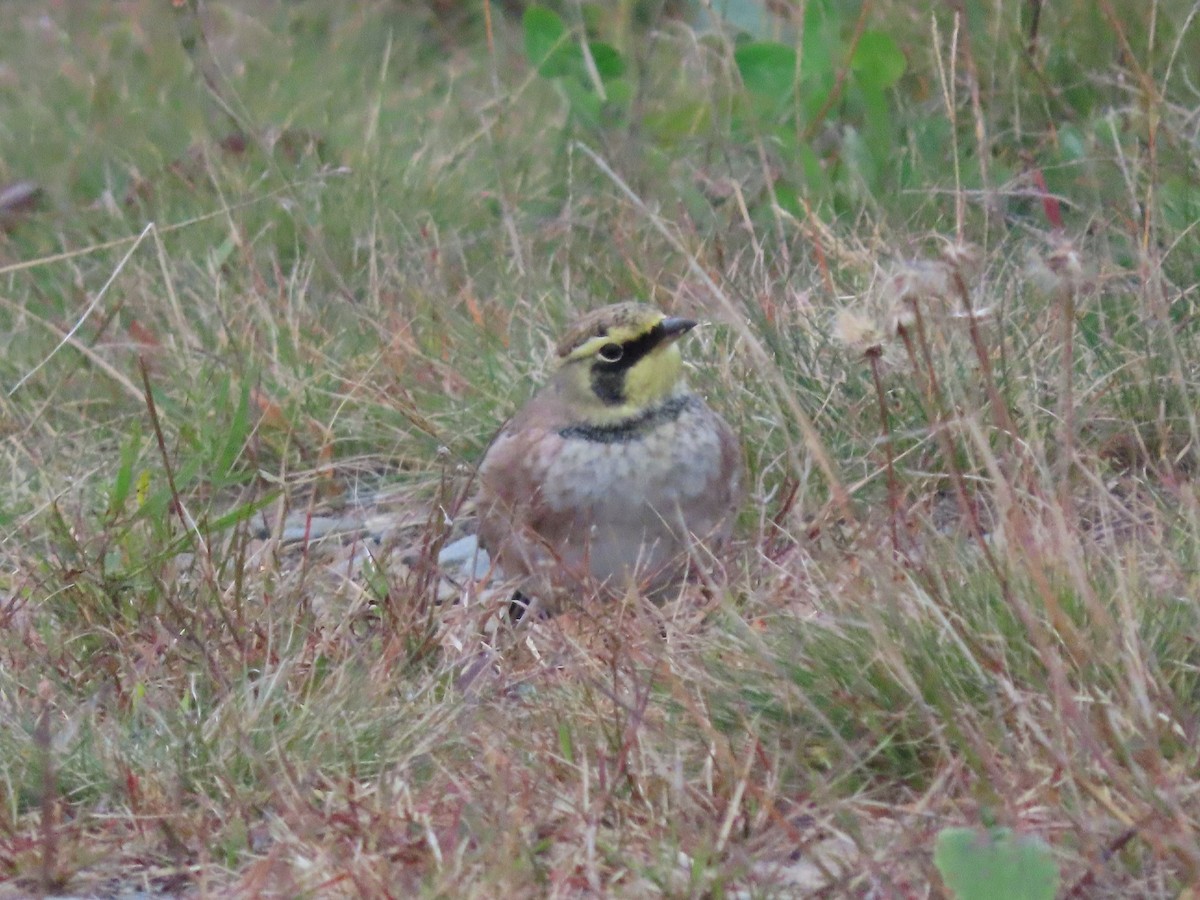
619	320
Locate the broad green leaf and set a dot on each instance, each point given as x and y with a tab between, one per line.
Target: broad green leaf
548	43
877	127
877	61
608	61
822	27
815	96
768	69
995	865
788	199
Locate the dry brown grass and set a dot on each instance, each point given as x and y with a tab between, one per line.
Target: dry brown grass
964	590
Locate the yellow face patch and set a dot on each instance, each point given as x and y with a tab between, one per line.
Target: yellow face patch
653	377
621	360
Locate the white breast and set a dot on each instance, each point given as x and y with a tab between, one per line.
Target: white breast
637	502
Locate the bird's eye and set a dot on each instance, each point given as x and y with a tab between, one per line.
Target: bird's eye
611	352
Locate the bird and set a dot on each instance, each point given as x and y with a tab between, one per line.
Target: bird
615	472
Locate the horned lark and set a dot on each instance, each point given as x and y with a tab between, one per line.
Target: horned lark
615	471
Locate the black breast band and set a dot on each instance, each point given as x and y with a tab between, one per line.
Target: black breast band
634	427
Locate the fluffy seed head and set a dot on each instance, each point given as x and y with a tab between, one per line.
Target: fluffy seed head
858	332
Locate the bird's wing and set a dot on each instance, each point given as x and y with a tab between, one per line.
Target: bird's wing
512	512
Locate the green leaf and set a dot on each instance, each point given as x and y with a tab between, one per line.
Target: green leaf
679	121
877	61
585	103
822	30
241	513
608	61
1180	200
816	178
224	250
235	436
620	93
768	69
565	745
877	127
548	44
788	199
995	865
618	100
124	479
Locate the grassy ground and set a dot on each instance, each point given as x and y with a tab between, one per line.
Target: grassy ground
288	262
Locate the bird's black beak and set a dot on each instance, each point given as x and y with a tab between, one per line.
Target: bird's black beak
674	327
